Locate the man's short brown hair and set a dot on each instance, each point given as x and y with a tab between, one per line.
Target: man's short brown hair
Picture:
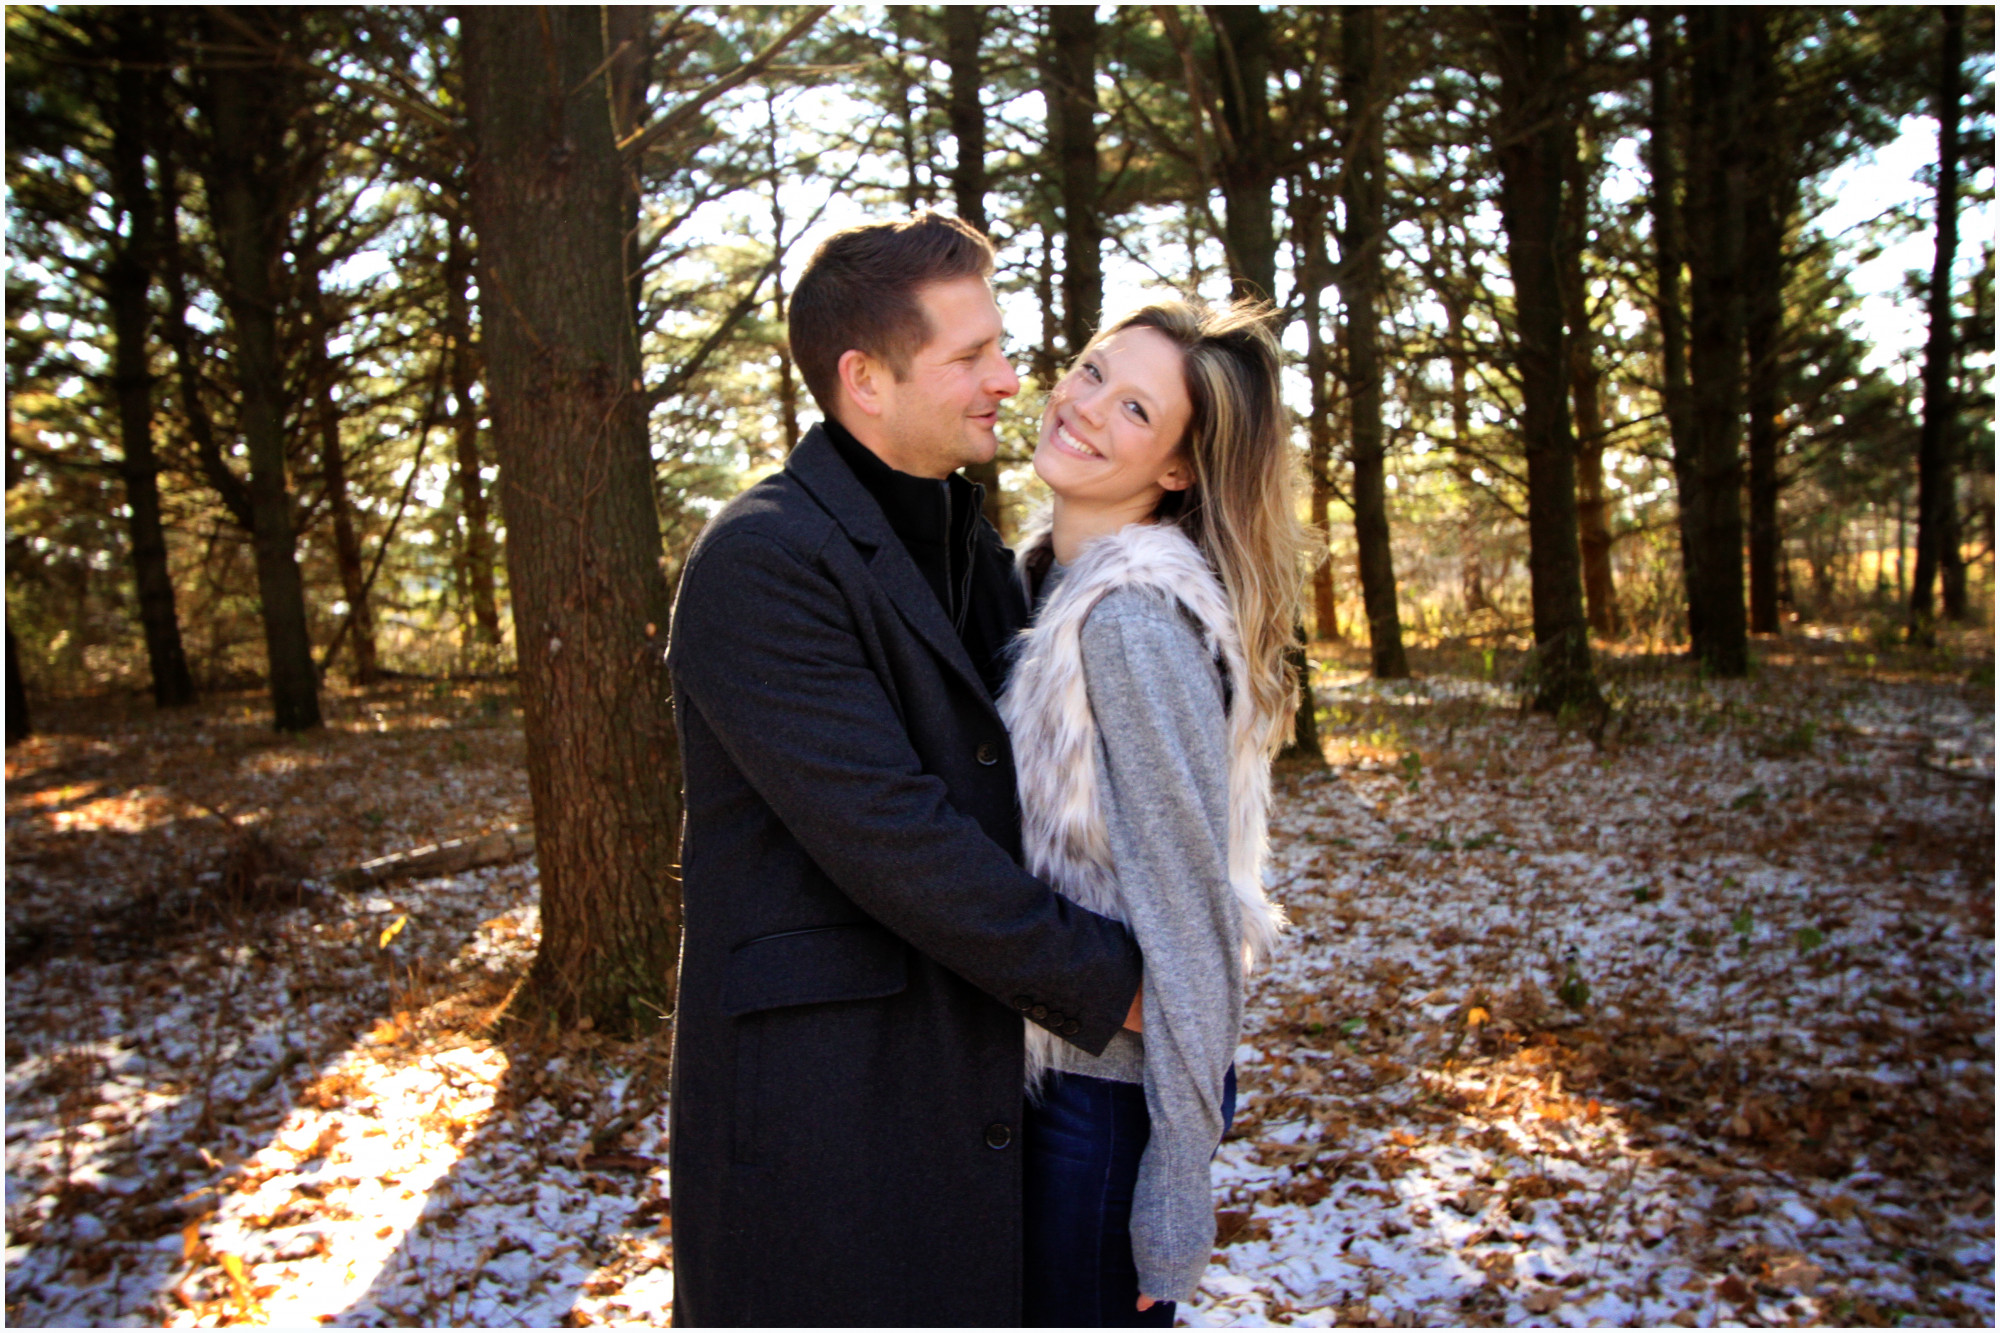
859	293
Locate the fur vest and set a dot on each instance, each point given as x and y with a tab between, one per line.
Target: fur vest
1054	735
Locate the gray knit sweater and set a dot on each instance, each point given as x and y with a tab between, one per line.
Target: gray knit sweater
1158	700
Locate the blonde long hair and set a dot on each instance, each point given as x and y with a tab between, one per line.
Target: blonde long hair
1242	510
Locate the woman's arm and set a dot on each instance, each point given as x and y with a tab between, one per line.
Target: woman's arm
1157	697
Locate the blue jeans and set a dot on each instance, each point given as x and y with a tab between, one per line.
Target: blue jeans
1082	1146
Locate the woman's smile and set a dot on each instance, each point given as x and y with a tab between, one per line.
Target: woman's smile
1065	439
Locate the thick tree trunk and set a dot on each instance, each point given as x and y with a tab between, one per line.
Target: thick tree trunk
1362	199
1937	507
476	548
1719	47
629	71
1072	113
1669	254
1531	140
1772	191
963	27
1245	164
248	107
583	537
1593	509
128	285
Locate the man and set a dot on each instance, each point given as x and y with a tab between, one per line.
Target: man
861	943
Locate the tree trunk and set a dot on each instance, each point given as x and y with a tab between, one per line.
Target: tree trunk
19	726
629	71
476	550
249	106
583	537
1072	113
1315	272
1244	163
1669	253
1532	137
963	25
128	285
1718	41
346	541
1937	506
1593	510
1360	273
1772	192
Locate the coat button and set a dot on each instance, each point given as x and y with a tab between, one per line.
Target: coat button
988	753
1023	1003
1071	1028
1039	1012
998	1135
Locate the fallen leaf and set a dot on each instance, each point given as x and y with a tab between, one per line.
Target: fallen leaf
1733	1290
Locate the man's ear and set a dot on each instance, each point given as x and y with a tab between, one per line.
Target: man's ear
861	376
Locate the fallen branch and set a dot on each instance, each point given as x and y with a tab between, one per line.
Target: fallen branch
446	858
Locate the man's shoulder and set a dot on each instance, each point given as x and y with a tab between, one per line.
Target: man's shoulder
776	511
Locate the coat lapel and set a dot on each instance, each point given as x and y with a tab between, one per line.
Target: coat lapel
820	469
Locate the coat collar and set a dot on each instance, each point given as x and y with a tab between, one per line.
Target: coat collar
819	468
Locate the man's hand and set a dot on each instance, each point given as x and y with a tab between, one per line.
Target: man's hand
1146	1302
1135	1021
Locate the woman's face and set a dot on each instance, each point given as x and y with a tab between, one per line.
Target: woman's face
1112	429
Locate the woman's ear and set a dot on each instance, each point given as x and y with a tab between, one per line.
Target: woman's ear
1180	473
861	376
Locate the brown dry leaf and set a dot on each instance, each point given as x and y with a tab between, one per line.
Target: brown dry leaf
1542	1300
1735	1291
1796	1272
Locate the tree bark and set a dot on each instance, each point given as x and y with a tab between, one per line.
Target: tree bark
1244	162
583	537
1360	275
1937	506
1072	112
128	288
963	27
1772	193
249	103
1669	254
476	548
1718	42
1593	509
1531	138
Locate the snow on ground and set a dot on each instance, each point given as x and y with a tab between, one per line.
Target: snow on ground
1680	1016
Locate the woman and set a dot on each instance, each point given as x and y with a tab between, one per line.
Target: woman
1144	705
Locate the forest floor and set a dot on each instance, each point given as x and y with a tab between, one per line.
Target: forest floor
1680	1014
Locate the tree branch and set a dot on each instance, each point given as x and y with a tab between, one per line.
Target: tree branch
640	140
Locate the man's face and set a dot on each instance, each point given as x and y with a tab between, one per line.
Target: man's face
942	414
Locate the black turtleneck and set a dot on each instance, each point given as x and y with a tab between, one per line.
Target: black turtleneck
954	548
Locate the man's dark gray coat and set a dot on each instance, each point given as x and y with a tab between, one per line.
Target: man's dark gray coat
861	942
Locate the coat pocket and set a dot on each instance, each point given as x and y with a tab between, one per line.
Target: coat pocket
853	962
777	989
